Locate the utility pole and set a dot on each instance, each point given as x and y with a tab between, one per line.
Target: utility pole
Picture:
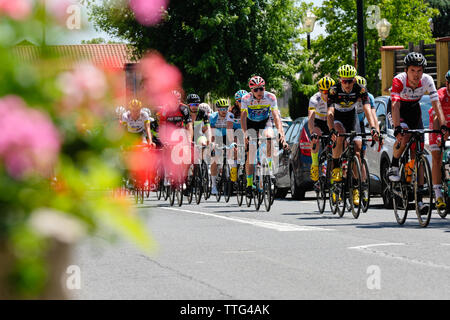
361	41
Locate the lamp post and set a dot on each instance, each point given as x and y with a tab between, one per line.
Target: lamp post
383	28
308	24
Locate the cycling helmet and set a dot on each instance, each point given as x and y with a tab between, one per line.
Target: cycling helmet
447	76
325	83
222	103
193	98
415	59
361	80
238	95
347	71
119	111
256	81
147	111
135	104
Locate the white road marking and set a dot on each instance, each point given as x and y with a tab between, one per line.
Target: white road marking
279	226
367	249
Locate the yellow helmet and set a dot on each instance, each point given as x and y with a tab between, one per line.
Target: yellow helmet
360	80
347	71
222	103
135	104
325	83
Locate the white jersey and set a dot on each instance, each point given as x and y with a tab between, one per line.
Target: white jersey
402	92
135	126
259	110
319	106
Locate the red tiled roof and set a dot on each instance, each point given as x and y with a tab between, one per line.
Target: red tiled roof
111	55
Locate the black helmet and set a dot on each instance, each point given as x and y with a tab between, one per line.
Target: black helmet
415	59
193	98
447	76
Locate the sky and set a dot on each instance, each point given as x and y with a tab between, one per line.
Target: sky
58	36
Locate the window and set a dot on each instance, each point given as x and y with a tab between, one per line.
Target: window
295	133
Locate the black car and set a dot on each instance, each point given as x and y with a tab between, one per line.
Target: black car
294	165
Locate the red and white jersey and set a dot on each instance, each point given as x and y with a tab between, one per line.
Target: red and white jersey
444	99
401	91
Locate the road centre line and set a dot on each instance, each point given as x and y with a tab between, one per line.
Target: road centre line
367	249
278	226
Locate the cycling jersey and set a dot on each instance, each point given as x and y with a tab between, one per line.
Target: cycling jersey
234	116
319	106
401	91
259	110
444	99
360	109
138	125
219	124
178	117
345	102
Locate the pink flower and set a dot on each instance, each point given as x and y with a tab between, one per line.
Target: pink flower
85	82
160	79
29	141
16	9
148	12
59	9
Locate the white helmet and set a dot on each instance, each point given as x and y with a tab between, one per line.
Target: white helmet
147	110
206	107
119	111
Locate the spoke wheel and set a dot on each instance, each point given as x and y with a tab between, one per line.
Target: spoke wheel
399	193
425	192
365	177
227	184
354	186
240	186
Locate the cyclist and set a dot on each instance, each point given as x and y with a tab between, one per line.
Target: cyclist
256	107
404	112
342	101
234	124
317	121
218	122
137	121
444	99
200	120
360	111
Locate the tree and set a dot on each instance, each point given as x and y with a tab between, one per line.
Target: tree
98	41
217	44
441	23
410	23
302	90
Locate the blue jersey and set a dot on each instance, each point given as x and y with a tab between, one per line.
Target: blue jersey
218	124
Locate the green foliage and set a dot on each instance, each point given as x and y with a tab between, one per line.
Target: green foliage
217	44
410	23
441	23
302	90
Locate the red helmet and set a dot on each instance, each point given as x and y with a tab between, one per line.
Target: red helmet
256	81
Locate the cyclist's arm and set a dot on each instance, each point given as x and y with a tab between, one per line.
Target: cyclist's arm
311	117
277	119
244	121
438	111
149	133
396	113
369	115
330	117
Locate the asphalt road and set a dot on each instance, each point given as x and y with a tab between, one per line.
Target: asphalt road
220	251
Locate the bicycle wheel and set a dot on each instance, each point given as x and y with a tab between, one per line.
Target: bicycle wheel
321	194
341	197
365	196
257	194
354	186
240	186
179	194
227	184
206	181
190	184
172	191
423	193
219	184
198	187
267	192
400	196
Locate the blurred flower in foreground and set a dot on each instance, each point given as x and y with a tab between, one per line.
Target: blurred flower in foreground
16	9
29	141
148	12
160	79
58	9
86	81
51	223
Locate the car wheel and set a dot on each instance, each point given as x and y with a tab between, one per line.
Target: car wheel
387	199
296	192
281	193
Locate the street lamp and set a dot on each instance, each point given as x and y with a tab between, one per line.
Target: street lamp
383	27
308	25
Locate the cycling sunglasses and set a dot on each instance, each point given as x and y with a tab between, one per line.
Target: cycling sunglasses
258	89
194	104
324	91
347	81
238	100
222	109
